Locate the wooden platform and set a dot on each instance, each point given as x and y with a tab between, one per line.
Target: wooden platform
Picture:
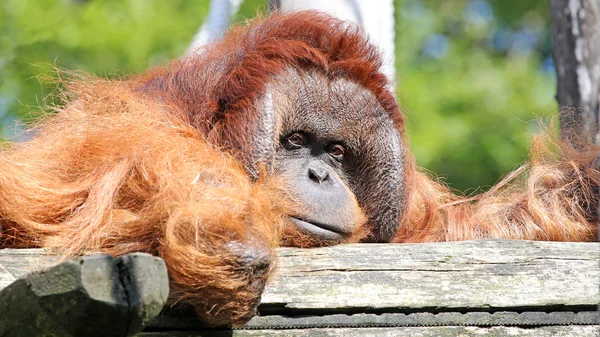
471	288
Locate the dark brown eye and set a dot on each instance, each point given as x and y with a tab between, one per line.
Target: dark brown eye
337	151
297	139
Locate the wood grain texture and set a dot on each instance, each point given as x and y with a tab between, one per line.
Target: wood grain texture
15	263
437	331
488	274
470	288
92	296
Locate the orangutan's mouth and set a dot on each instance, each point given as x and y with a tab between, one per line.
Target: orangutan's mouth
325	231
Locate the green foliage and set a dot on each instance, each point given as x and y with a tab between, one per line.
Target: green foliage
471	112
106	38
469	108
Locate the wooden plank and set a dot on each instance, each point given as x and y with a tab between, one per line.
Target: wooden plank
15	263
489	275
438	331
91	296
387	320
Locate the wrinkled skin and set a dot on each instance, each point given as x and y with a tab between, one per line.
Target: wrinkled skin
283	133
339	153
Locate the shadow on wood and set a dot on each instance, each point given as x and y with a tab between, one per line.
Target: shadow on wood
470	288
91	296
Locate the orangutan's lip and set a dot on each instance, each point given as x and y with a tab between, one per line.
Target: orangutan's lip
322	230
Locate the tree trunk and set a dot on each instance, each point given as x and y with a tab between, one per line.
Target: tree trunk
576	51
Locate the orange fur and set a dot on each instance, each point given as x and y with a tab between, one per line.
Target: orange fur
115	172
158	164
554	197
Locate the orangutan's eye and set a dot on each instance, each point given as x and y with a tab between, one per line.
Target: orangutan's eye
296	140
336	151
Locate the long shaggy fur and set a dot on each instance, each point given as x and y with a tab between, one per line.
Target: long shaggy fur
157	164
236	71
553	197
118	172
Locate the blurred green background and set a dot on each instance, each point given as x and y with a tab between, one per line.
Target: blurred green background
474	76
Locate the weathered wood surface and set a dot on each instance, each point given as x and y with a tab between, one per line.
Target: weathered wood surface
490	274
91	296
437	331
455	275
385	289
15	263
